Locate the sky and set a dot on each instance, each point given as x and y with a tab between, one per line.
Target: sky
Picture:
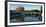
26	7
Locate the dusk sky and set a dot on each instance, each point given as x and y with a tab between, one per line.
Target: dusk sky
27	7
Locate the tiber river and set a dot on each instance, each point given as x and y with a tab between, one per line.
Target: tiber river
31	19
26	19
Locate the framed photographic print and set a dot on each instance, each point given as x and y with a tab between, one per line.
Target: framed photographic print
24	13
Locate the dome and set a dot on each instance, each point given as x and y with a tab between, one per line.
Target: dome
19	7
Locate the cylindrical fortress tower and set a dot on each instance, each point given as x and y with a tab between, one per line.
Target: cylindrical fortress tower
19	8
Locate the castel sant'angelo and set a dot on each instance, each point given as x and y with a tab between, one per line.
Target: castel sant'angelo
19	8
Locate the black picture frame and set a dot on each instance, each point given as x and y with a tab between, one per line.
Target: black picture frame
22	2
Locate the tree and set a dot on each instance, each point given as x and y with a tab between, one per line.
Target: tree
36	11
